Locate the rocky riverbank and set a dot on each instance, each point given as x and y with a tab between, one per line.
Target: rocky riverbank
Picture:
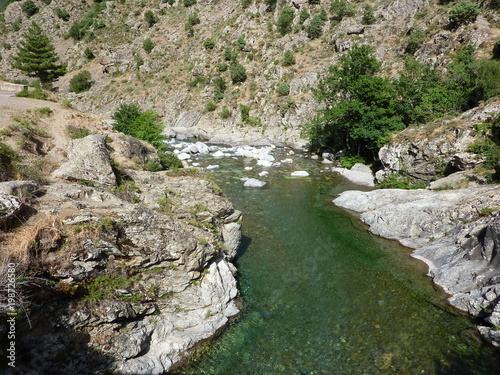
456	232
119	269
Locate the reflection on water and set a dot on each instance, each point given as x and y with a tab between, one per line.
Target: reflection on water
323	296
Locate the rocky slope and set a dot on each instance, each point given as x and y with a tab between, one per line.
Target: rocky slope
119	269
454	231
178	76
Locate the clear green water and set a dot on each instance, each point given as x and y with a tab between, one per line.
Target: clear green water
323	296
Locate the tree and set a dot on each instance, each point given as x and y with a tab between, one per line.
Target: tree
80	82
238	73
30	8
37	57
285	20
360	111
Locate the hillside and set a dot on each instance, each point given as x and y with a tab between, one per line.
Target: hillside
184	69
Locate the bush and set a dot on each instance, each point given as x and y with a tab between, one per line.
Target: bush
169	160
238	73
314	2
130	119
315	28
37	93
209	44
464	12
81	82
283	89
29	8
62	14
368	15
148	45
348	161
193	19
271	5
288	58
241	43
303	16
211	106
496	50
89	54
225	113
150	18
220	88
7	157
396	181
340	9
245	112
285	20
222	67
188	3
76	133
414	41
230	55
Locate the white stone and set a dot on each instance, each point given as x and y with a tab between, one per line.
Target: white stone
254	183
212	167
218	154
202	148
248	168
184	156
300	174
263	173
264	163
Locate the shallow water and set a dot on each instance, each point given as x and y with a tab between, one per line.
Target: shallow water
323	296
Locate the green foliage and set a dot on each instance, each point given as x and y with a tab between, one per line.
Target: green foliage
7	157
225	113
220	88
44	111
360	111
241	43
341	9
245	112
16	25
283	89
414	41
188	3
169	161
464	12
193	19
285	20
314	2
303	16
348	161
138	60
62	14
222	67
80	82
150	18
29	8
271	5
246	3
89	54
230	55
238	73
131	119
288	58
81	28
76	133
37	57
315	28
368	15
105	287
209	44
396	181
148	45
37	93
211	106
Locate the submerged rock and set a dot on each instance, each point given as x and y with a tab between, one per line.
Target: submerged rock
254	183
299	174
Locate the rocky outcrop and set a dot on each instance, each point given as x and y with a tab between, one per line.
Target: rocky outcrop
456	232
439	148
359	174
136	271
88	160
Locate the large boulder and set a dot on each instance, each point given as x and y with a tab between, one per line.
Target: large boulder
88	160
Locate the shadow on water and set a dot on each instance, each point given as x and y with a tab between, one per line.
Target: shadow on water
242	249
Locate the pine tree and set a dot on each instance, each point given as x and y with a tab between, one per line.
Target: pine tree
37	57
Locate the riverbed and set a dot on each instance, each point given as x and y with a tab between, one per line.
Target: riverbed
321	294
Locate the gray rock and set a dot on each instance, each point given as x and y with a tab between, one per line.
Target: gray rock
359	174
88	159
24	188
10	206
254	183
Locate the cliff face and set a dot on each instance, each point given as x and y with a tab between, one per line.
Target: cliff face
124	269
177	77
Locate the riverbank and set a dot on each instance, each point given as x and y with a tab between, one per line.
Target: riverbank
455	232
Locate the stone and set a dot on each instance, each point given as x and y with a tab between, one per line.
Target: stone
264	163
299	174
359	174
254	183
218	154
10	206
212	167
88	159
184	156
24	188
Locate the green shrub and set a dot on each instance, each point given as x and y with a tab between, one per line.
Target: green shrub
245	112
37	93
283	89
314	2
211	106
193	19
76	133
285	20
303	16
222	67
29	8
288	58
148	45
7	157
139	61
45	111
315	28
150	18
80	82
414	41
396	181
348	161
238	73
271	5
246	3
62	14
220	88
209	44
169	160
368	15
241	43
341	9
188	3
496	50
89	54
145	125
225	113
230	55
464	12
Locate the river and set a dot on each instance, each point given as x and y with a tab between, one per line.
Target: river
324	296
